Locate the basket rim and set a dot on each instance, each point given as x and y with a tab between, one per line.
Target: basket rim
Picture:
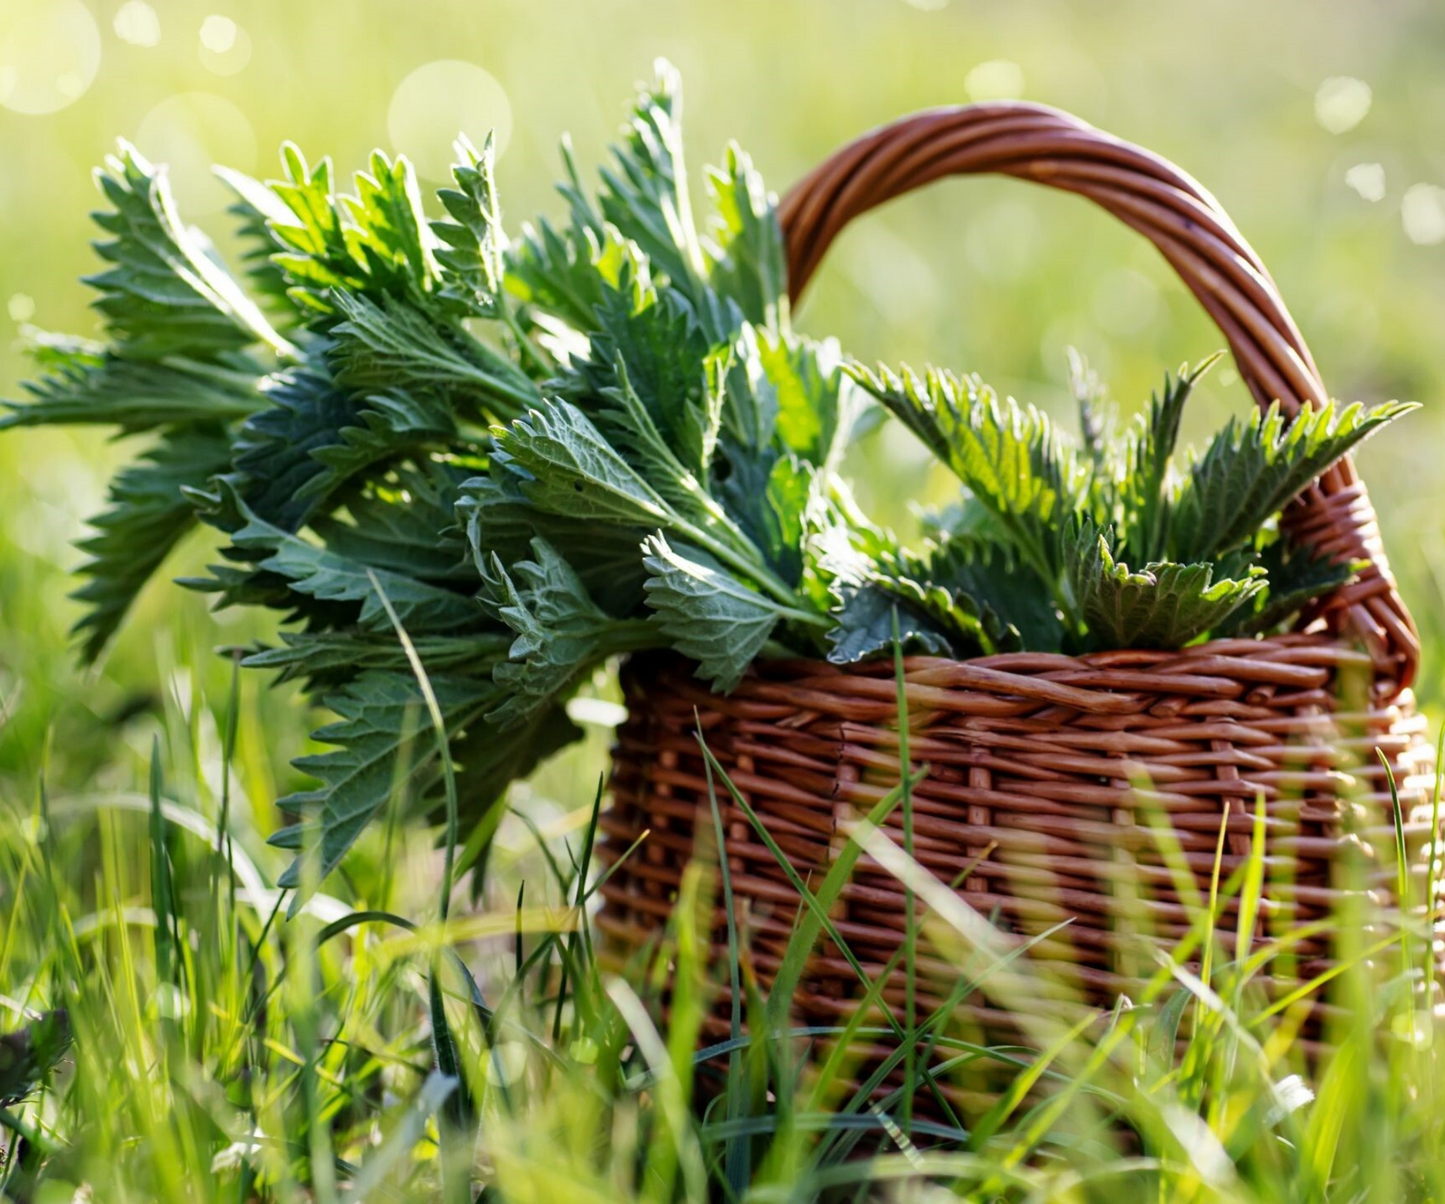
1105	683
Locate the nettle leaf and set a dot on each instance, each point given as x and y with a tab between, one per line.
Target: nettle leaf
382	428
864	626
1162	606
319	572
565	273
658	350
1008	455
376	241
1297	576
749	262
497	517
254	209
560	632
1016	609
382	342
87	384
957	600
569	468
644	192
706	612
628	422
332	657
487	761
403	525
815	401
317	255
274	451
1147	491
147	516
1254	467
770	495
388	223
750	401
165	293
473	251
382	745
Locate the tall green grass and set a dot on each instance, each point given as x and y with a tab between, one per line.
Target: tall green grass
393	1043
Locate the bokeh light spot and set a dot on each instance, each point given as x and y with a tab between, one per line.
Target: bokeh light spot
225	46
440	100
997	79
1368	179
218	33
136	22
21	307
1341	103
191	132
49	54
1422	212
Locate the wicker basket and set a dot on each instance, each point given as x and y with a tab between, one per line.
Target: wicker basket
1035	758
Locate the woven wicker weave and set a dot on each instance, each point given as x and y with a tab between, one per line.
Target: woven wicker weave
1037	761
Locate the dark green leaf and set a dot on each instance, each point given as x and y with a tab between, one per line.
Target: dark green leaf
706	612
749	264
560	632
1254	467
378	750
1163	606
147	516
165	293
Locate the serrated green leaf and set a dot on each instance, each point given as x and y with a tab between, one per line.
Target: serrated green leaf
1297	576
497	517
1147	491
376	241
381	714
816	402
1009	456
403	526
570	468
273	454
383	427
165	293
472	254
380	344
147	515
319	572
254	209
1162	606
87	384
864	625
560	632
329	657
1254	467
770	495
706	612
644	192
748	260
653	345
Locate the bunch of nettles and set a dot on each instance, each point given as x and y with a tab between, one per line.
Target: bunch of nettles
518	458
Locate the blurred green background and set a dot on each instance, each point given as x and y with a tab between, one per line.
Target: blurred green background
1316	122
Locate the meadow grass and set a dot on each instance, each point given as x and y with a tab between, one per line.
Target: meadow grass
183	1040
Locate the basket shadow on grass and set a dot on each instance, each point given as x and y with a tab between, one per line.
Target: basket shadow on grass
222	1052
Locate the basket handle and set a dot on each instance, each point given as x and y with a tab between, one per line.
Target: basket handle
1187	225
